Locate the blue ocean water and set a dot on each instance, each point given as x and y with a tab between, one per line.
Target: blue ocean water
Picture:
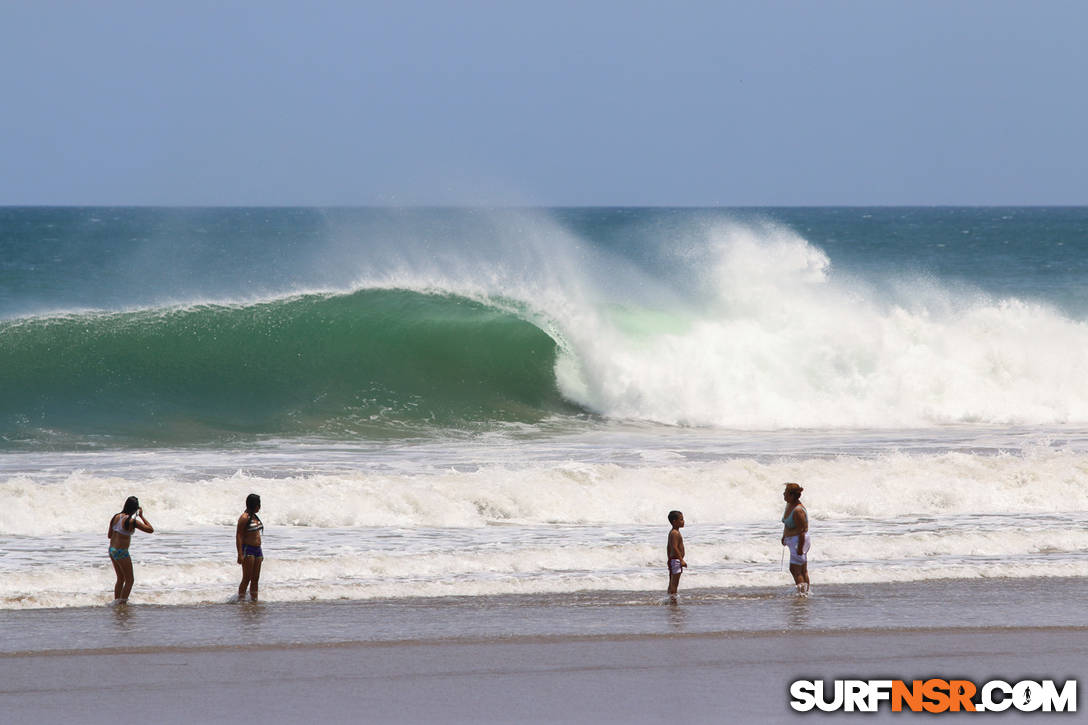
201	325
427	390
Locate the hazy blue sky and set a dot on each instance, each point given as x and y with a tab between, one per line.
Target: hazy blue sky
545	103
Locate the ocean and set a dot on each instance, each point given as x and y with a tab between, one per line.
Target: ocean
502	405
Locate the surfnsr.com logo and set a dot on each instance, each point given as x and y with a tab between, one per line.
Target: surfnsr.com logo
933	695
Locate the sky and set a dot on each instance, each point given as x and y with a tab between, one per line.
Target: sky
551	103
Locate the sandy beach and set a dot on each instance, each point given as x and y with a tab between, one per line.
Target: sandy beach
591	657
699	678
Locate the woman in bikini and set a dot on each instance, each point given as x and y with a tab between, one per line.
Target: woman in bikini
795	536
248	540
122	526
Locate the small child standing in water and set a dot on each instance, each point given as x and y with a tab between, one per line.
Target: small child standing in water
674	551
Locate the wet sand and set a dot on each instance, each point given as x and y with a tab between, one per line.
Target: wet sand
635	679
958	604
588	657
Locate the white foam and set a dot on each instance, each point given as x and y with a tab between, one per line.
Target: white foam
773	339
541	527
1037	480
568	563
752	329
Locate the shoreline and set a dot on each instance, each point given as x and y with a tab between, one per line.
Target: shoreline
955	605
696	677
543	640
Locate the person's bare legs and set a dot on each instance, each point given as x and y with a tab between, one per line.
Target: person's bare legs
674	583
255	579
124	572
120	585
251	576
247	574
800	577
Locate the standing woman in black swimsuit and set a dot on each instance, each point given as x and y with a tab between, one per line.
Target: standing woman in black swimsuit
122	526
248	539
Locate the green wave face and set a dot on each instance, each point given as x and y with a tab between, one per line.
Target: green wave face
326	365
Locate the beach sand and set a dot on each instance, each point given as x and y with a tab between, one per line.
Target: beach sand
594	657
698	678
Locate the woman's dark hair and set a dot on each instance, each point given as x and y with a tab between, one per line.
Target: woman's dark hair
131	504
253	502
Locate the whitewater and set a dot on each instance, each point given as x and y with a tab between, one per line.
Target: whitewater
479	403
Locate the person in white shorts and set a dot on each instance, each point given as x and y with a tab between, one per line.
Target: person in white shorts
795	536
